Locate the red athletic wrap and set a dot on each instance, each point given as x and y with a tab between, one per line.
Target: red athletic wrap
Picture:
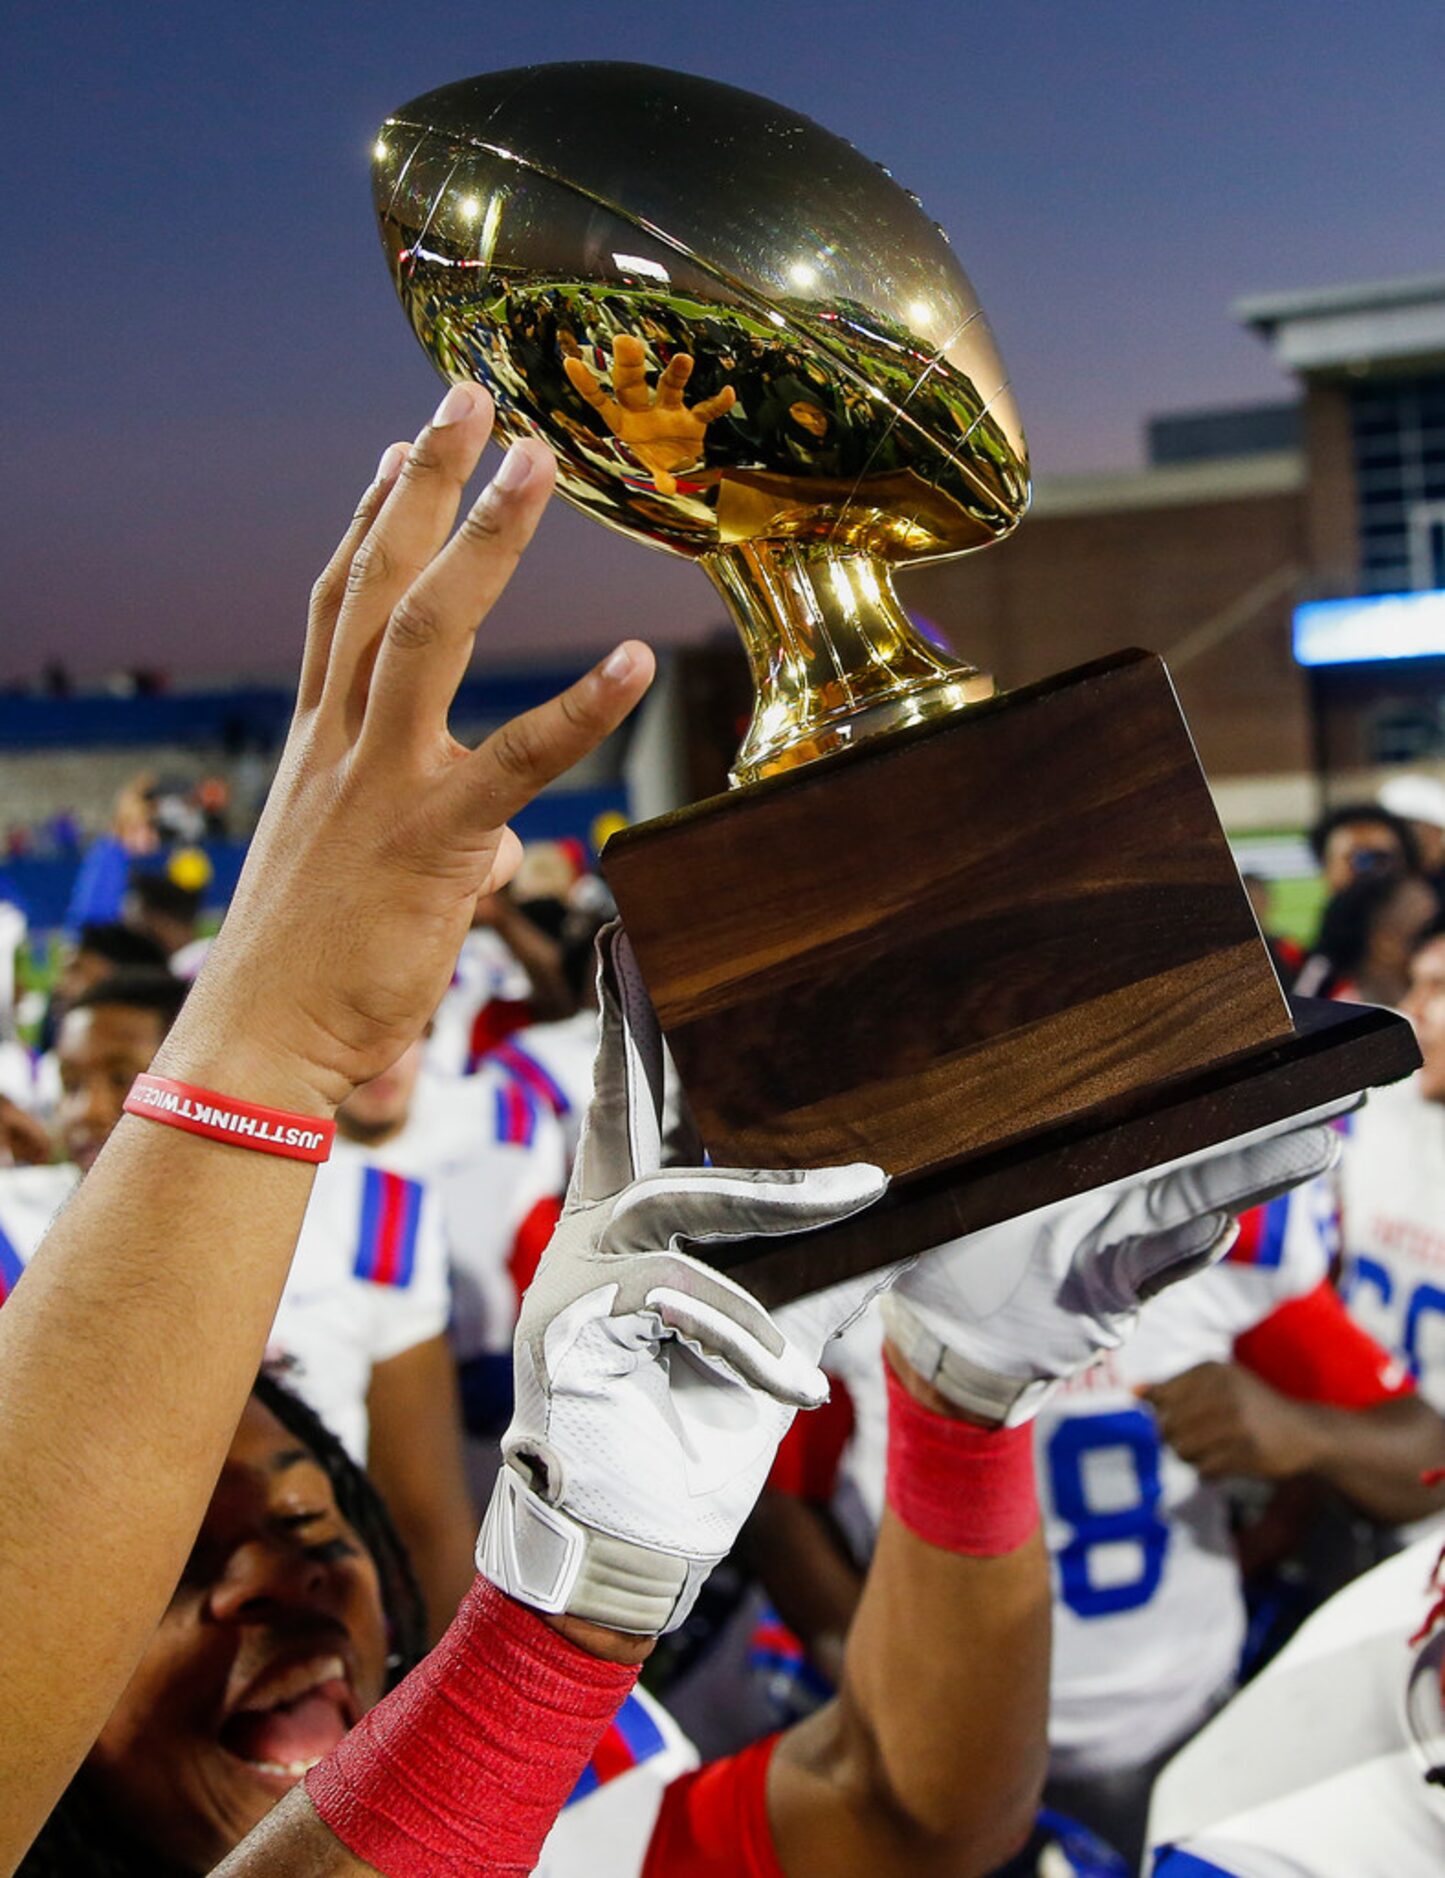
463	1769
955	1485
223	1118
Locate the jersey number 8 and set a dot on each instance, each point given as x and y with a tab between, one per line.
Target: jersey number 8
1135	1527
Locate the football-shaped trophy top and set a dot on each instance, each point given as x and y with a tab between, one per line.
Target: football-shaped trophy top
745	343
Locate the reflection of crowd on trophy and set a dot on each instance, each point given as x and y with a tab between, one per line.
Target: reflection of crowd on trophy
378	1216
795	412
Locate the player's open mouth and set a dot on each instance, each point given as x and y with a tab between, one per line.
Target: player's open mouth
291	1718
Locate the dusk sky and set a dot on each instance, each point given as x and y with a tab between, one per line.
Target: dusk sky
203	356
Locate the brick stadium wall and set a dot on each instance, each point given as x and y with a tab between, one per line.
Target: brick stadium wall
1076	584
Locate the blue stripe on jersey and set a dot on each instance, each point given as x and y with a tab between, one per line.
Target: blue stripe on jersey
589	1783
635	1724
1085	1855
1261	1235
386	1240
1172	1863
634	1737
1271	1239
534	1075
11	1266
516	1114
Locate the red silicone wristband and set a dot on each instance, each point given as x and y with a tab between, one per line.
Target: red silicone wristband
223	1118
464	1767
957	1486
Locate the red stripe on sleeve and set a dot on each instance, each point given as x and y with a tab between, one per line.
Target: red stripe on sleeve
1245	1249
532	1238
714	1823
1313	1350
496	1021
808	1458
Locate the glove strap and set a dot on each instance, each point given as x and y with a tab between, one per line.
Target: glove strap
986	1395
543	1557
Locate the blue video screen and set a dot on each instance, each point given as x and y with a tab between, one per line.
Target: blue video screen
1376	626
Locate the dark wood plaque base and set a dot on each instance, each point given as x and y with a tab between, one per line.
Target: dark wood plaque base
1335	1051
1006	955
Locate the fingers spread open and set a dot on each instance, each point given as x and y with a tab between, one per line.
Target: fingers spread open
582	381
709	408
503	774
412	527
330	588
629	374
428	640
670	385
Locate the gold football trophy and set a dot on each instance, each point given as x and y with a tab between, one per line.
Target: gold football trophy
996	943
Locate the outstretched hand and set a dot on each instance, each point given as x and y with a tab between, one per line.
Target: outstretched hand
661	431
381	830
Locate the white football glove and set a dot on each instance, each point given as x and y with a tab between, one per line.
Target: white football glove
996	1320
651	1391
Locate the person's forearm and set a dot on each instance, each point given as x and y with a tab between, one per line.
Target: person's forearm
937	1746
416	1463
291	1842
440	1550
147	1274
127	1349
1377	1457
811	1581
540	957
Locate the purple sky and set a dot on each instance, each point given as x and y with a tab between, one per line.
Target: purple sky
204	356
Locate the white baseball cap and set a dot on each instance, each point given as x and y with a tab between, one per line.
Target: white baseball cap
1415	798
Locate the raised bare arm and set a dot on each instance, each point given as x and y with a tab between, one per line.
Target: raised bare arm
128	1349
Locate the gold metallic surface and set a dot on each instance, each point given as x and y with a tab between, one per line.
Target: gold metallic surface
745	343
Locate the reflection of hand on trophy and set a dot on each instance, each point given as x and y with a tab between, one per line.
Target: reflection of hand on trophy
662	432
996	944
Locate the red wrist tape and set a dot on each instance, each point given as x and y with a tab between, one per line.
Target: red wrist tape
957	1486
222	1118
462	1770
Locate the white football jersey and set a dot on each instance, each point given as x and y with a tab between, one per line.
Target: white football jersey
31	1082
30	1197
1393	1224
605	1828
487	972
492	1154
489	1156
369	1278
555	1061
1317	1768
1148	1612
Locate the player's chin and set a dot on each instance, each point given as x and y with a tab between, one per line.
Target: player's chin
216	1799
229	1800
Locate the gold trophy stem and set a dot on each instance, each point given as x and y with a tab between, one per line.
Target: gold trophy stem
834	657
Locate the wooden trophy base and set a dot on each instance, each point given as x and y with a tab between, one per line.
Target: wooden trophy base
1006	955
